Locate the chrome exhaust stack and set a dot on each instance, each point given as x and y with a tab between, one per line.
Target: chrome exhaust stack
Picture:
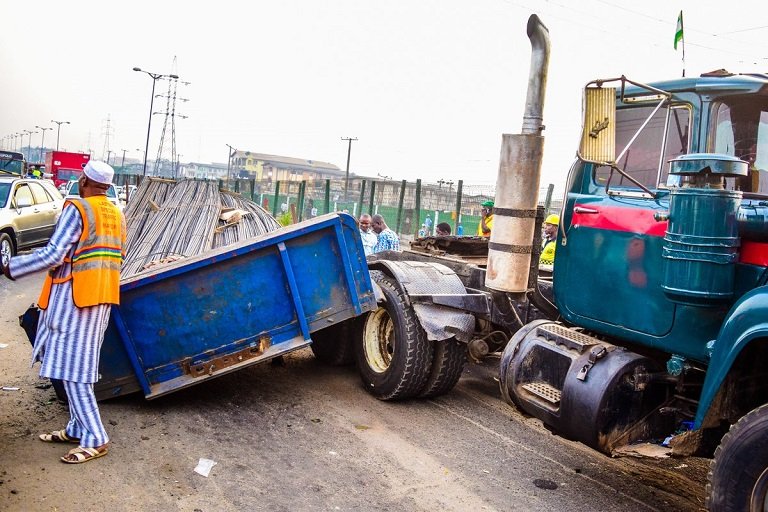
517	184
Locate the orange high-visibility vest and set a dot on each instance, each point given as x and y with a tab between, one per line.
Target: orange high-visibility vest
97	258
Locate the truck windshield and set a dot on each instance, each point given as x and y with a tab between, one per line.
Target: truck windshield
641	160
741	130
68	174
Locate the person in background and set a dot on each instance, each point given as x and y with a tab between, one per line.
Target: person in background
423	231
486	221
443	229
310	211
367	235
460	230
37	173
428	224
388	240
83	259
549	239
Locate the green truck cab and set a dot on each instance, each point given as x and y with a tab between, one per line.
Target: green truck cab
660	281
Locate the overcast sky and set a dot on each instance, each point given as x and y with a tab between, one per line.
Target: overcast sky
427	86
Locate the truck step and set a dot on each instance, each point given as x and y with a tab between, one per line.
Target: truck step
544	391
568	337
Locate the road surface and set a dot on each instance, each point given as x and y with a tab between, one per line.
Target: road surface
303	436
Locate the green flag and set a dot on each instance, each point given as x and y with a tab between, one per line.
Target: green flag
679	31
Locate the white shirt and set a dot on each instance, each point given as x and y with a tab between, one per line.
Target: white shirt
369	241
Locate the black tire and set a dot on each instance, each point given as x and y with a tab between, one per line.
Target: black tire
393	356
7	249
447	366
738	475
334	345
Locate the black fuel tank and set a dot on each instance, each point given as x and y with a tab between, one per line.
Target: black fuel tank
581	387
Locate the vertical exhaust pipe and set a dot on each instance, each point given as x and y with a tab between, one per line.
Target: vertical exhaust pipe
517	184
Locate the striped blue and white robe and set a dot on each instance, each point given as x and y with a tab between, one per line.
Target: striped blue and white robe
69	338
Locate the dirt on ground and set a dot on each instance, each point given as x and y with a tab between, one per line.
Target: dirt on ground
301	436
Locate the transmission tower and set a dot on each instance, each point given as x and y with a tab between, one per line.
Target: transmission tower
169	122
108	132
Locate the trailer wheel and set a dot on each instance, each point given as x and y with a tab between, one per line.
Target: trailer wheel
447	365
334	345
738	475
394	357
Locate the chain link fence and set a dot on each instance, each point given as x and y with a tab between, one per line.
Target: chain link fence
407	206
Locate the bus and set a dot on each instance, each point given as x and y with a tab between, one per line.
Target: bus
12	163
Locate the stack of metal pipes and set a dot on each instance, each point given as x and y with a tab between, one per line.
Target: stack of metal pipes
254	222
169	220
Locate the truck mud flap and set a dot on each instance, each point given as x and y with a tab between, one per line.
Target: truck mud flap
438	297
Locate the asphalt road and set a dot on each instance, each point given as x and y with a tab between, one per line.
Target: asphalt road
304	436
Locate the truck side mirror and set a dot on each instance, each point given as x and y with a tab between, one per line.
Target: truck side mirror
598	136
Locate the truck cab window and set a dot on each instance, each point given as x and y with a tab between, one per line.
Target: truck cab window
641	160
741	130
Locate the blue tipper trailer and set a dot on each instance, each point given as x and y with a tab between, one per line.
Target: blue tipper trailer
209	315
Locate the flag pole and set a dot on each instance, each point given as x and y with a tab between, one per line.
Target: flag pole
683	41
680	36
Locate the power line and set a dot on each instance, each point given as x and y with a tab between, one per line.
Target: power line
670	23
742	30
602	28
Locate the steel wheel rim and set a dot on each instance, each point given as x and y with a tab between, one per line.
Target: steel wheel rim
5	251
378	337
759	501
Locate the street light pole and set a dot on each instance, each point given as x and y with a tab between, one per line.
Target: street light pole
346	175
122	164
154	77
58	131
29	143
42	141
230	152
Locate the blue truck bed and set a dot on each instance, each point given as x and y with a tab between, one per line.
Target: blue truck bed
233	307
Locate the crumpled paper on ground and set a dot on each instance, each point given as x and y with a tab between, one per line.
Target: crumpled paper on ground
204	467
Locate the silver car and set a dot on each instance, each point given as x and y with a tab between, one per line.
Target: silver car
73	190
29	209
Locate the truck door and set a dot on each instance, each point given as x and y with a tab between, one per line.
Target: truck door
614	239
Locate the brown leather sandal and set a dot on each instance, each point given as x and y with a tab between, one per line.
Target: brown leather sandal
59	436
82	454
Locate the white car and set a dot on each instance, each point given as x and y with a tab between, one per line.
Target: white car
73	190
131	192
29	209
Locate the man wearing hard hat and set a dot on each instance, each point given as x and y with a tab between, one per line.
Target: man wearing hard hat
486	219
548	238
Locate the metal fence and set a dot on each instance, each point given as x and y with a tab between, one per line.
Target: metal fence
405	205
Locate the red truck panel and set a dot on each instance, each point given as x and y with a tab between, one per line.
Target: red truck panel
63	165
